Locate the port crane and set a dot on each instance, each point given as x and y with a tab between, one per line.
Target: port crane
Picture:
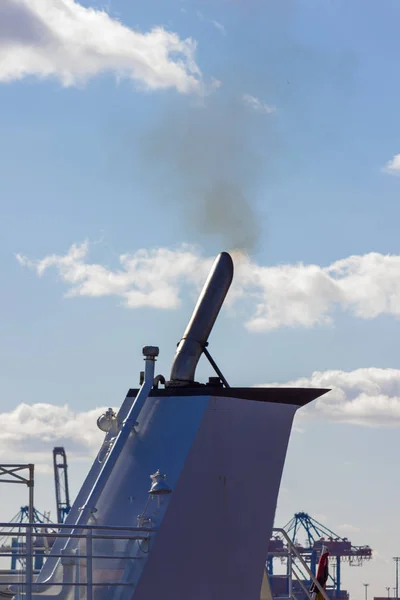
315	536
61	483
15	545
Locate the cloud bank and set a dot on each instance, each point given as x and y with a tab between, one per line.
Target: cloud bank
146	278
288	295
30	432
72	43
368	397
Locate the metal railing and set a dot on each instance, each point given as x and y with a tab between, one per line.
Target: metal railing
296	568
74	561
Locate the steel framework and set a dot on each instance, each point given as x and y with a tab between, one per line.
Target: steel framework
12	474
316	536
61	483
16	543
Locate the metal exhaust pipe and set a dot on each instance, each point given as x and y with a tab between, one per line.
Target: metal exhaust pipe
201	323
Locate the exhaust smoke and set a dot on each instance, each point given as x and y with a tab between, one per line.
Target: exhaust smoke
206	163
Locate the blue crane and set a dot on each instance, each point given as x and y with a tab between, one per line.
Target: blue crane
318	535
15	544
61	483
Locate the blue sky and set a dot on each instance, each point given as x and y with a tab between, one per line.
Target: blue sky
90	153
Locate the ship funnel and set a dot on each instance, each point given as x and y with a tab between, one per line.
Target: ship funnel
201	323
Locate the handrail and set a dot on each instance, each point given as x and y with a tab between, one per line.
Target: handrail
292	548
64	526
89	533
22	581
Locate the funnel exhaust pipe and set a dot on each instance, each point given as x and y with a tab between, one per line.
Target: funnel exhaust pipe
201	323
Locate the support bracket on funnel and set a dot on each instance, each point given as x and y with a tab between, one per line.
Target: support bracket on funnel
214	365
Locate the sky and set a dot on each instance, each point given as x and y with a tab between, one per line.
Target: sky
139	139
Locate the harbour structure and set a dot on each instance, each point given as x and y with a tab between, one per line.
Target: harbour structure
315	537
61	484
12	542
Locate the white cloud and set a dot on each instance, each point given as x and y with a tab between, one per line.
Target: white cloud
65	40
392	167
369	396
257	105
29	432
290	295
147	278
285	295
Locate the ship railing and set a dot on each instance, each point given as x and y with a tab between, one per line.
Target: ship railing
297	570
77	567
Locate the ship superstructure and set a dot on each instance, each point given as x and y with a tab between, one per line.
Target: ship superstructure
180	501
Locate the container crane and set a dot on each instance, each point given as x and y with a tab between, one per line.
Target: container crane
316	536
61	483
15	545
